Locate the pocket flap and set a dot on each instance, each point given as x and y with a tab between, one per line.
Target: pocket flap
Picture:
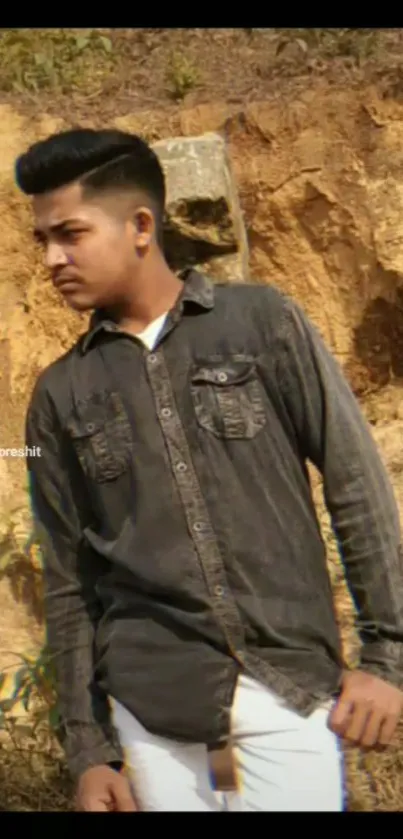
224	374
92	416
78	429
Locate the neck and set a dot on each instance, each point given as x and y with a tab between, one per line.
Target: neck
155	292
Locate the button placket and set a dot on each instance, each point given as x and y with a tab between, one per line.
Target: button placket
194	505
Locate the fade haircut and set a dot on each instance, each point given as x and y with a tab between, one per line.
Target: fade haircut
101	161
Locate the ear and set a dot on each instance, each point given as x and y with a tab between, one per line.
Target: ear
144	227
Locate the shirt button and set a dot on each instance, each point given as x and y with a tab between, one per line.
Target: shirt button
219	591
181	467
222	377
199	526
152	358
166	412
90	427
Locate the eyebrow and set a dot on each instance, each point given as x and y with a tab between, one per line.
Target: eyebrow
57	228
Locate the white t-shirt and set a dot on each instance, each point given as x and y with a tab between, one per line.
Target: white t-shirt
149	336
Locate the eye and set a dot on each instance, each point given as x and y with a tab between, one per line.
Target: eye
72	235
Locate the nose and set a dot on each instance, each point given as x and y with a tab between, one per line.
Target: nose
55	256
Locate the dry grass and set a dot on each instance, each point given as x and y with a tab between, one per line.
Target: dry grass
33	775
116	71
32	772
61	60
357	44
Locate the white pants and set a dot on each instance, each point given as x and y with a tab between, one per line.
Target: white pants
284	762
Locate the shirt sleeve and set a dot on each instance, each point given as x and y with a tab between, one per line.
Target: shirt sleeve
70	573
334	435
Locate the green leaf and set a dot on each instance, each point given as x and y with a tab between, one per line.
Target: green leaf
20	681
2	680
48	65
106	43
26	697
81	42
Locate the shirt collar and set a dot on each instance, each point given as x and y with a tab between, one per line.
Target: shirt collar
197	289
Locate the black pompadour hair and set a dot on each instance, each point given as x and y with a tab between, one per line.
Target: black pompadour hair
100	160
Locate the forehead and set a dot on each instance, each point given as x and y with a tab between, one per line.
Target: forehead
63	205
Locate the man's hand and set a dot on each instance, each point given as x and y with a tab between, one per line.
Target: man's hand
101	789
367	711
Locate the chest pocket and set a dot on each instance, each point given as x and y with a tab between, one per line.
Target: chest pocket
228	399
102	437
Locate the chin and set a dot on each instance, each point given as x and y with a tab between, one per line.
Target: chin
79	304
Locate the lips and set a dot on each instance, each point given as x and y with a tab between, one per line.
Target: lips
64	283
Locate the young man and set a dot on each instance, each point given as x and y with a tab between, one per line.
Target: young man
187	598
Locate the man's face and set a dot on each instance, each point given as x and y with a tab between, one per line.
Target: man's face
91	249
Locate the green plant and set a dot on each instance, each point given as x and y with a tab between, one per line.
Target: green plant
182	75
33	774
63	59
28	704
20	563
358	44
33	689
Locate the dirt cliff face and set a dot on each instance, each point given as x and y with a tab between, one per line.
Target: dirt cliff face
320	180
321	190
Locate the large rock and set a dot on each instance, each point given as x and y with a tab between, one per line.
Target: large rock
204	224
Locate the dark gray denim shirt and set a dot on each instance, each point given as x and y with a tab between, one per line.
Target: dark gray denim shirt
180	540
